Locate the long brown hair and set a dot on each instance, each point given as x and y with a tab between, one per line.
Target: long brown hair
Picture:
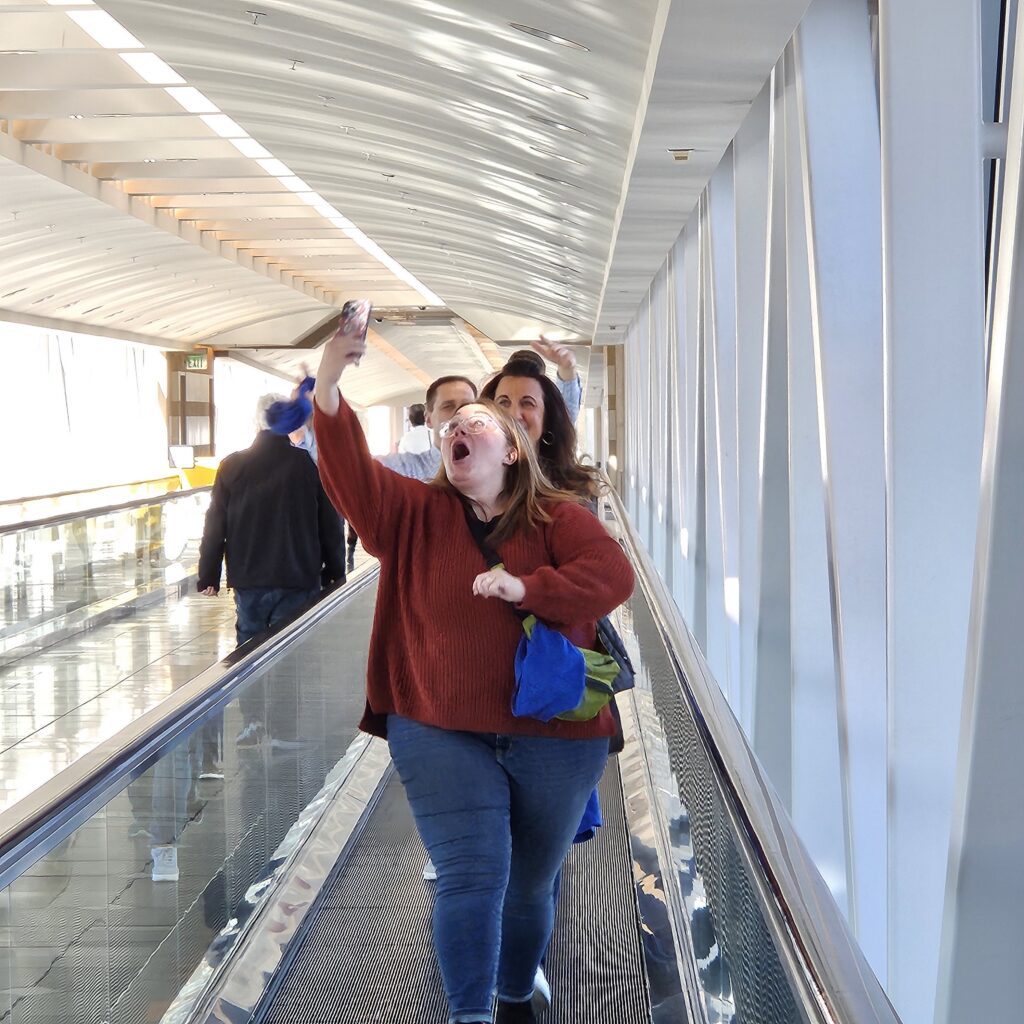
527	489
557	447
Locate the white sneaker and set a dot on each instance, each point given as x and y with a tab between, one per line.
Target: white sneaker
541	998
165	864
429	871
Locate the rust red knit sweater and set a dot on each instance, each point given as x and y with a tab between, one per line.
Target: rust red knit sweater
439	654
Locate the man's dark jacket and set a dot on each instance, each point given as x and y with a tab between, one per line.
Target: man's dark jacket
271	520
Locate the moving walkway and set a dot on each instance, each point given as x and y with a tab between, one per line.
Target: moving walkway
299	894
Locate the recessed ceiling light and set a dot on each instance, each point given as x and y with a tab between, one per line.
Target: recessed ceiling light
553	86
192	100
549	36
150	68
250	148
76	117
679	155
149	160
107	31
275	167
557	156
556	124
224	126
294	184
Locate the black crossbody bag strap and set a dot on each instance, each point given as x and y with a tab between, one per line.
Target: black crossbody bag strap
491	557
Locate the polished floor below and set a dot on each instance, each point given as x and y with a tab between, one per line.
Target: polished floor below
63	701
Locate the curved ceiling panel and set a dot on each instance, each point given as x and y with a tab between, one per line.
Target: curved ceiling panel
487	160
67	257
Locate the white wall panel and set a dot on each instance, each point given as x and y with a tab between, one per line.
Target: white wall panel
815	342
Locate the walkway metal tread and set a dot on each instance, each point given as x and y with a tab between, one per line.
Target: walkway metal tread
368	957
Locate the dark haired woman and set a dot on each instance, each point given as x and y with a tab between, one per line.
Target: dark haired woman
496	799
530	397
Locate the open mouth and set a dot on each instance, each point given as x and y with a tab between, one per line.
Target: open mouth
459	451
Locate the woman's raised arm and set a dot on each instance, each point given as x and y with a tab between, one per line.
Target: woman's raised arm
373	499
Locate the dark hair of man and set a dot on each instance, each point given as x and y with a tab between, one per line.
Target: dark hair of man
529	356
557	447
417	415
432	390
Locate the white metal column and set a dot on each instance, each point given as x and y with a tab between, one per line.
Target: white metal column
933	245
982	935
838	124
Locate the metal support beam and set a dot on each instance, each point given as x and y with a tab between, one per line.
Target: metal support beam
934	314
982	939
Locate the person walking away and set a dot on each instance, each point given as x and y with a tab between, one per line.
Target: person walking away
416	439
271	521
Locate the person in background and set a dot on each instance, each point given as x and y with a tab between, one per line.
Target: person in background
566	376
524	390
497	799
416	439
271	521
444	396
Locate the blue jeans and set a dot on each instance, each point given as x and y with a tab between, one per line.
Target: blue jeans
259	608
497	815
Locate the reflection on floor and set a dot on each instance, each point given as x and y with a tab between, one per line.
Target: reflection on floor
87	934
64	701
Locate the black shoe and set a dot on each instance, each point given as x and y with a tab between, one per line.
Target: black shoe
514	1013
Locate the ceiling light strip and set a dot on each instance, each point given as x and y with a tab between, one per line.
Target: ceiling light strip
107	31
150	68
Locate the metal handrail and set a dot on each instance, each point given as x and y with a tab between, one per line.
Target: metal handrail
32	827
828	969
95	513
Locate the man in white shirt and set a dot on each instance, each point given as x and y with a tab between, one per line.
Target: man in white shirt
417	439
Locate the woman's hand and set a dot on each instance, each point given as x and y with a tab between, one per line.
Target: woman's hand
348	345
498	583
561	355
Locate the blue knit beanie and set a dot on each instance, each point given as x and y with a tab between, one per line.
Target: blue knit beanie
287	417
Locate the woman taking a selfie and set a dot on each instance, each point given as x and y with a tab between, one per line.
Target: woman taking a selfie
496	798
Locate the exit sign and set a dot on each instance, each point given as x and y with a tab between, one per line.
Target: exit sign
195	361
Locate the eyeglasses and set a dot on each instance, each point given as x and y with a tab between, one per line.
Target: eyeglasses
475	424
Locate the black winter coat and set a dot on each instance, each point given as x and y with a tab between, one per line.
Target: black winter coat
271	520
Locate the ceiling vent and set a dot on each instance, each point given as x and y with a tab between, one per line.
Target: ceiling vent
680	155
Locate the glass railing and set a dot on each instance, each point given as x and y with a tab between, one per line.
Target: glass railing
21	510
758	934
136	868
59	574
